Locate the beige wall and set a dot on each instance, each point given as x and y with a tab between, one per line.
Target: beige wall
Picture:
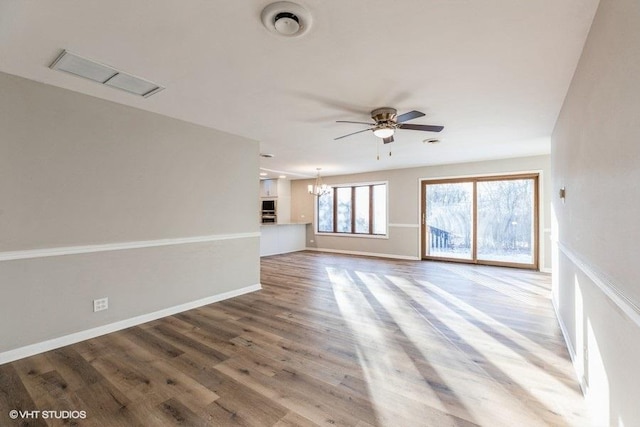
404	197
77	171
596	156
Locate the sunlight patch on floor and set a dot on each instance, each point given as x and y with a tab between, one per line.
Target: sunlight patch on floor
538	383
508	290
381	361
524	342
416	329
460	370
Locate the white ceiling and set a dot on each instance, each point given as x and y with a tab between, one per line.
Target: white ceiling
493	72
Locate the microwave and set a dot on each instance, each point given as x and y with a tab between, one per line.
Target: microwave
268	211
268	206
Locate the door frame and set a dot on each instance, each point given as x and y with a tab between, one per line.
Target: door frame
474	180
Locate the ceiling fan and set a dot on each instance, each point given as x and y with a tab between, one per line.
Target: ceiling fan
387	121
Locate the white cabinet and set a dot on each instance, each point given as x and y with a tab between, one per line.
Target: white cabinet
280	190
284	200
269	188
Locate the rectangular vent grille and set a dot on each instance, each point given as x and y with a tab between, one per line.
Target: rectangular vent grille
104	74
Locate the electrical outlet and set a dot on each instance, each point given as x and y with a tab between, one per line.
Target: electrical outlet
100	304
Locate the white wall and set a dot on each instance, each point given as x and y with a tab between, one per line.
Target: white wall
596	156
79	173
404	197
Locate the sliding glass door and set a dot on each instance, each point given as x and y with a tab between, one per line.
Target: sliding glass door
484	220
449	220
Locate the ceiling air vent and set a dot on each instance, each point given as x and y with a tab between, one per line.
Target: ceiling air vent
286	19
104	74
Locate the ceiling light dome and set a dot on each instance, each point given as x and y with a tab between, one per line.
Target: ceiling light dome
383	131
286	19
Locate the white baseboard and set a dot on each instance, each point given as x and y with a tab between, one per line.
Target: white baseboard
41	347
373	254
283	252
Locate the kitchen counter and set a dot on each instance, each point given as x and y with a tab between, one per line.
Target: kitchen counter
281	238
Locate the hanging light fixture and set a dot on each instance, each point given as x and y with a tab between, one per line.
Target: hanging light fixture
319	188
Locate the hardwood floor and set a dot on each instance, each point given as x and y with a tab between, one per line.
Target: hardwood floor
330	340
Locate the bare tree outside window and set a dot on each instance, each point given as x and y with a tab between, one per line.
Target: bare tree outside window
505	220
353	209
325	212
502	209
449	210
344	209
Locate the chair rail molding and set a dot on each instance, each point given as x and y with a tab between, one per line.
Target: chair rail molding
605	283
74	250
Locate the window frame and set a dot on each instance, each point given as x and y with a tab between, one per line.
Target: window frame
352	233
536	176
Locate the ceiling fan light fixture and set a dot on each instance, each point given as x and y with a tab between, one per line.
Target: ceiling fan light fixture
386	120
383	131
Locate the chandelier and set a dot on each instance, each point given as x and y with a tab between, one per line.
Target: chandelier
319	188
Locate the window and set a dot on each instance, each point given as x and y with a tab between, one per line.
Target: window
354	210
344	209
483	220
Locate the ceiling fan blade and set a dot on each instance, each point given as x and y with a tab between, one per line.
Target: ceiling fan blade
349	134
428	128
388	139
359	123
409	116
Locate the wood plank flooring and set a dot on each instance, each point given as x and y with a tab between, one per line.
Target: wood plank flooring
331	340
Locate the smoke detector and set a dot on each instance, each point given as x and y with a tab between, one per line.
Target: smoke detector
286	19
